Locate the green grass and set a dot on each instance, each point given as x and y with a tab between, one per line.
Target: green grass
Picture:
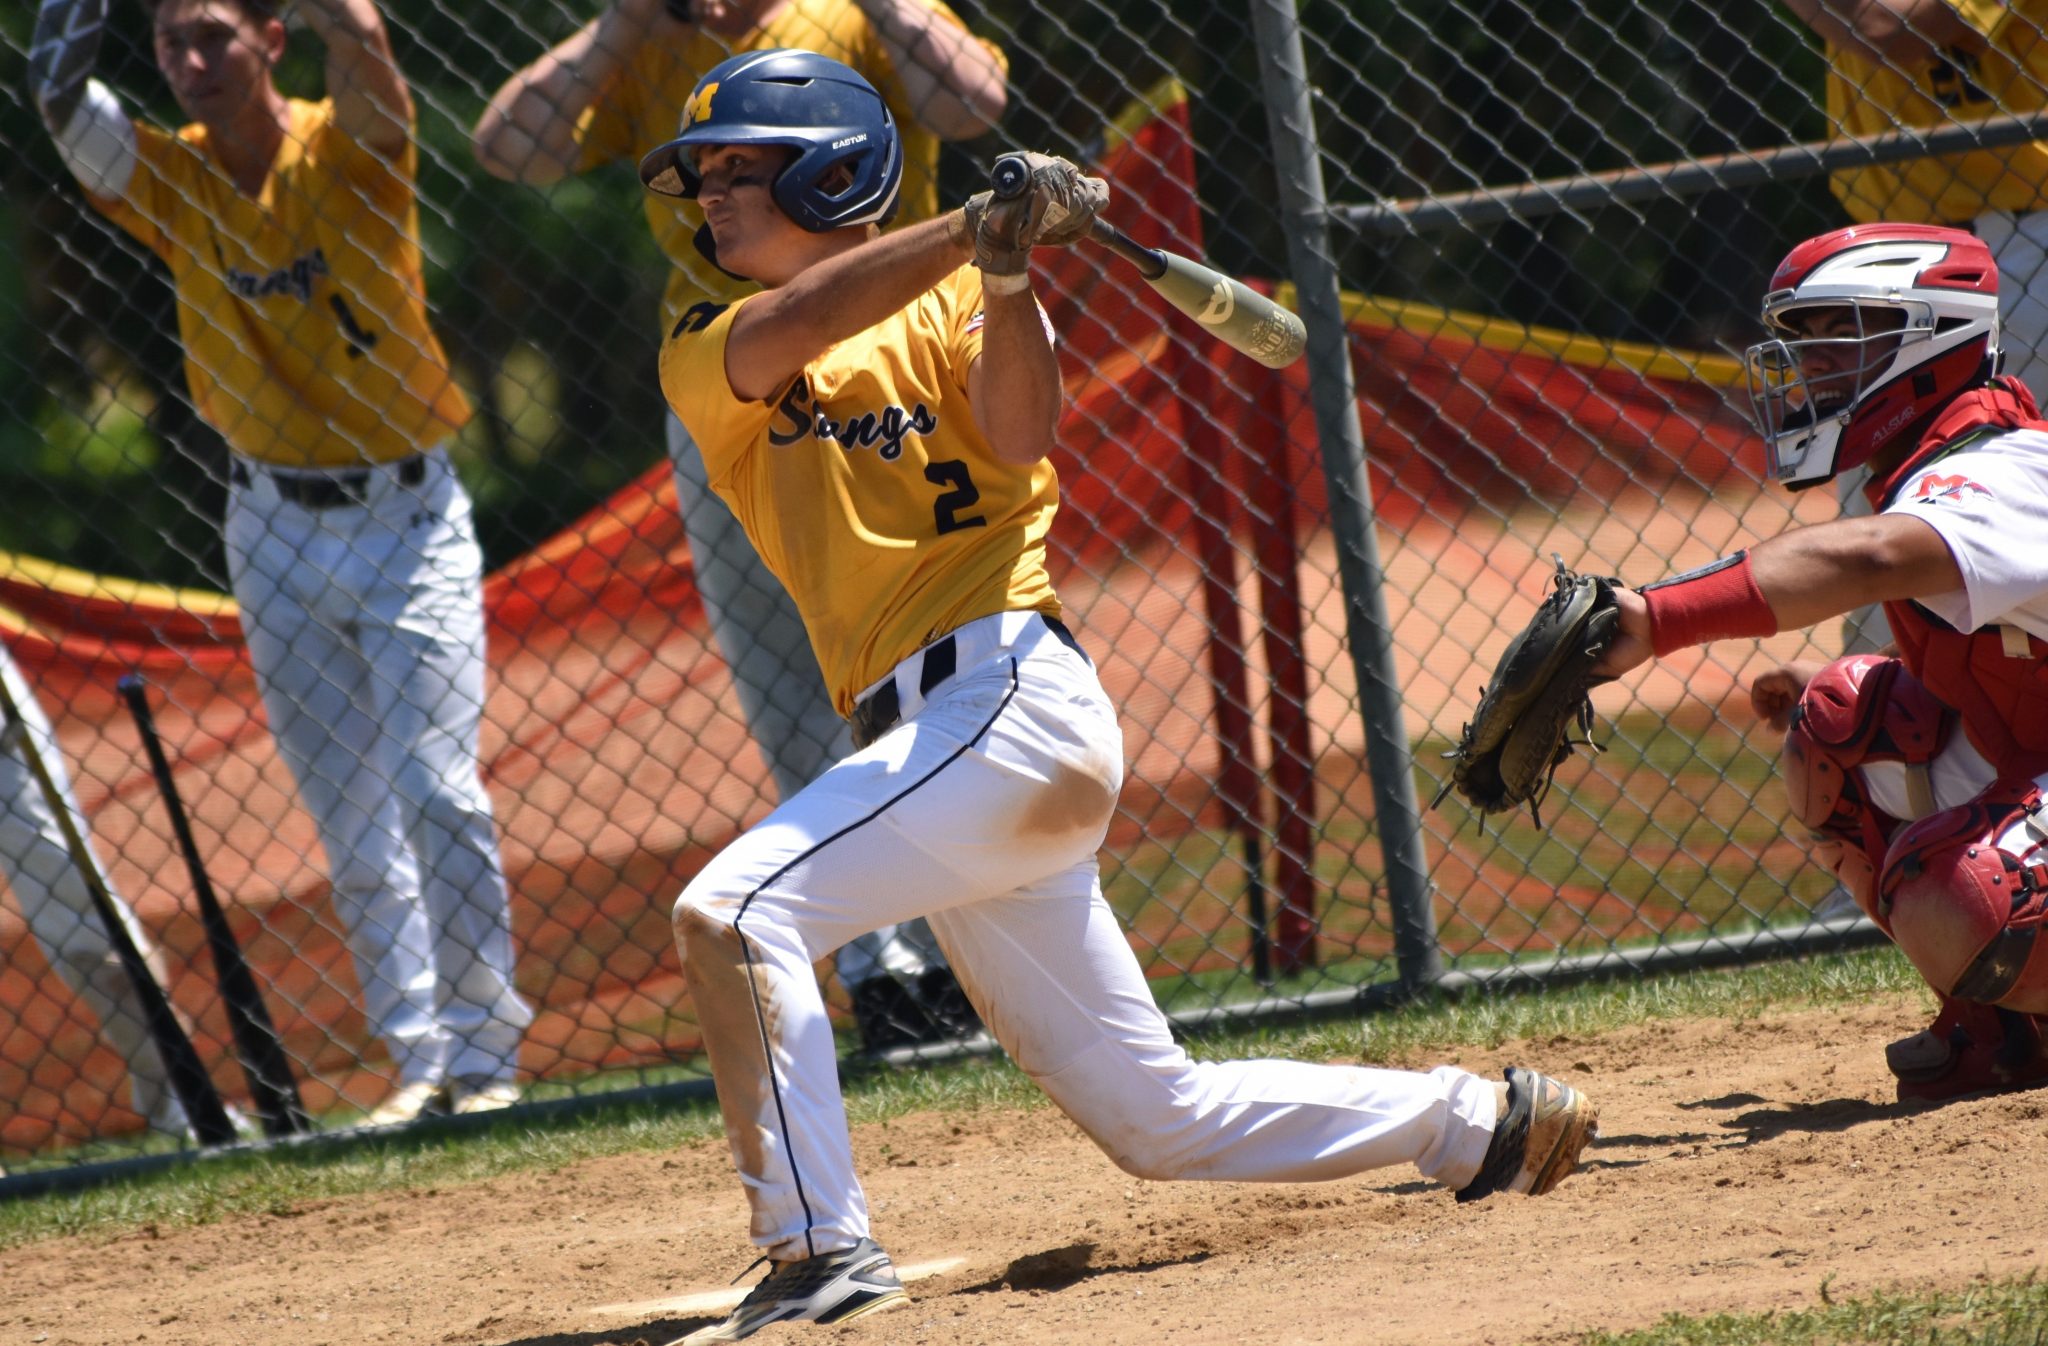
285	1181
1998	1313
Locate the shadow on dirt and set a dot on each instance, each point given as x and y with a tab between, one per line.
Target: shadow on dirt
1060	1268
660	1330
1830	1115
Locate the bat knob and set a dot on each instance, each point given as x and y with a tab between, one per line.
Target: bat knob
128	685
1009	176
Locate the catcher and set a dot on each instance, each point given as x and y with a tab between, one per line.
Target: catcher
1919	771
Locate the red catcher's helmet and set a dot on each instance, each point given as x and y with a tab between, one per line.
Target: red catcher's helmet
1925	304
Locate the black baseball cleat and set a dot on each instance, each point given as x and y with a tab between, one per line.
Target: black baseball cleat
915	1012
1537	1139
829	1288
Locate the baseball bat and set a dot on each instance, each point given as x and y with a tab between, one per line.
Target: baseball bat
188	1078
271	1085
1234	313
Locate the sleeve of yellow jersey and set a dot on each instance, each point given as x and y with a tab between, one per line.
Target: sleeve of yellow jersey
693	380
386	184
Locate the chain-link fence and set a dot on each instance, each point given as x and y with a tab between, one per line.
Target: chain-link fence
1530	373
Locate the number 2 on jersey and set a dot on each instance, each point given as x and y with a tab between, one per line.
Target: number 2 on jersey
946	509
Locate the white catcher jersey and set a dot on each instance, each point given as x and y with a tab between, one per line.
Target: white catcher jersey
1990	505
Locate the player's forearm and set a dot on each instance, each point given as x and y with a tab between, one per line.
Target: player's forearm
1812	574
371	100
528	131
1016	385
1785	584
1899	33
956	85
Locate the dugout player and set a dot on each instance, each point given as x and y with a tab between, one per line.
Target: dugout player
291	234
1920	773
1925	64
878	417
59	910
609	93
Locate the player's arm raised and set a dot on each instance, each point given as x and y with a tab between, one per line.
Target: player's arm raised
776	333
1901	33
956	83
1014	386
1788	583
372	105
528	131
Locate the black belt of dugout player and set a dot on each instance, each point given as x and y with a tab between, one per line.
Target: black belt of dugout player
326	490
878	714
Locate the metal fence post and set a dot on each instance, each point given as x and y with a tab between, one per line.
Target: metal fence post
1283	79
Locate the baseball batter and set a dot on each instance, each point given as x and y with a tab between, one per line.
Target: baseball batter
878	418
58	907
603	96
291	234
1920	773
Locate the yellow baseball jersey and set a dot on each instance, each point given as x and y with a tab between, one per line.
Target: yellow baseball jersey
642	107
866	485
2011	77
303	310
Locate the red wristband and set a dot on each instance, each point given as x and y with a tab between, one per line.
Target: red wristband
1720	601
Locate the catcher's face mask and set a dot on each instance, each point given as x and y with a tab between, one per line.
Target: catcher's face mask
1807	384
1873	329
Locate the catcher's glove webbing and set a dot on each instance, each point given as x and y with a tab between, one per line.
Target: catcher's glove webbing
1521	733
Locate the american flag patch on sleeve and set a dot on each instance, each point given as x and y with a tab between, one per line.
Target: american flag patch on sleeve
1045	320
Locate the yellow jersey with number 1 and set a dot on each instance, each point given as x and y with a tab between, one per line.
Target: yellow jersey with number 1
866	485
303	310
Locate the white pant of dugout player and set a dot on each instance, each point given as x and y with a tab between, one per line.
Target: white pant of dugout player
366	630
983	811
58	908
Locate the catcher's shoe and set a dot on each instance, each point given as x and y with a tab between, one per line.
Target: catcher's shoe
1969	1049
828	1288
1541	1130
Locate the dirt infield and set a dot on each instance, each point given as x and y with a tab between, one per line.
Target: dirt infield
1742	1166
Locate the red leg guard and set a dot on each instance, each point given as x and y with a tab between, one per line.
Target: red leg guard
1858	710
1964	892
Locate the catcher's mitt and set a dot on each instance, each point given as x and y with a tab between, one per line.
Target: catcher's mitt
1521	733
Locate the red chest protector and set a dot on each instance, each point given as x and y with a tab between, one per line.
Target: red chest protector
2000	695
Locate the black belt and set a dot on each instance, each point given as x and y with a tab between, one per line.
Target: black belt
878	714
325	490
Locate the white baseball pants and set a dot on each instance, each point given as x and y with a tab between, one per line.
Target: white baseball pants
58	908
983	810
366	629
775	675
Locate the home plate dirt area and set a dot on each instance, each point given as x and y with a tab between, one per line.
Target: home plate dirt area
1741	1165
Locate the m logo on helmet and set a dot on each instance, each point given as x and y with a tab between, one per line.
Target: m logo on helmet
699	108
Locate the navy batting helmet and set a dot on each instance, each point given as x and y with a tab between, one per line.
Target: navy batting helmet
813	104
